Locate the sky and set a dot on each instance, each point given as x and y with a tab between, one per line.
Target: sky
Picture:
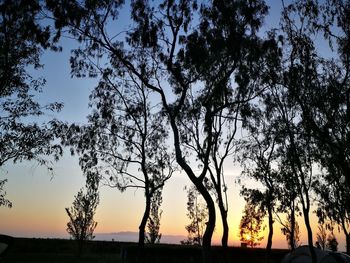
39	197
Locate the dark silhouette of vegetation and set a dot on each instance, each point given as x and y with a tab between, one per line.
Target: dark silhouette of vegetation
81	223
316	88
321	237
291	230
7	241
258	156
153	235
251	225
3	200
22	40
193	74
332	243
122	133
176	49
197	213
333	203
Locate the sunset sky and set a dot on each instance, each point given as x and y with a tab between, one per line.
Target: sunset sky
39	198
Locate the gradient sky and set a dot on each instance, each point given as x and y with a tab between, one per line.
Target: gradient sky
39	198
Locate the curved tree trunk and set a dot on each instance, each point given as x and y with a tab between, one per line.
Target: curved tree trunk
198	182
143	223
209	230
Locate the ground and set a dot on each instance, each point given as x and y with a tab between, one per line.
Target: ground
61	250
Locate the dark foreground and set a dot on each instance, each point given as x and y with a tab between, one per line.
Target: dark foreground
60	250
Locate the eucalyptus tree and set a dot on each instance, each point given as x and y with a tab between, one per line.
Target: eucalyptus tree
297	144
197	213
324	86
296	149
81	225
153	235
176	48
333	203
289	206
22	40
323	95
124	141
260	162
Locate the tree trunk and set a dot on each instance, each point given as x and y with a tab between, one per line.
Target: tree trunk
209	230
143	223
309	236
269	239
225	228
292	229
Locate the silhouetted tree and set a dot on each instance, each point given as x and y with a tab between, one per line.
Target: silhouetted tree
321	237
291	230
250	226
332	243
124	142
174	49
318	83
296	147
333	203
153	235
3	200
22	40
81	223
258	156
323	88
197	213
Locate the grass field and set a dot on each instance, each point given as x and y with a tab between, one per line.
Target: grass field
60	250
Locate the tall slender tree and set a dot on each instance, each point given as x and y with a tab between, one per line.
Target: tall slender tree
176	48
198	215
81	223
124	142
153	235
259	155
333	204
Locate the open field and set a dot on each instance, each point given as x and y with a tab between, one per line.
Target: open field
60	250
